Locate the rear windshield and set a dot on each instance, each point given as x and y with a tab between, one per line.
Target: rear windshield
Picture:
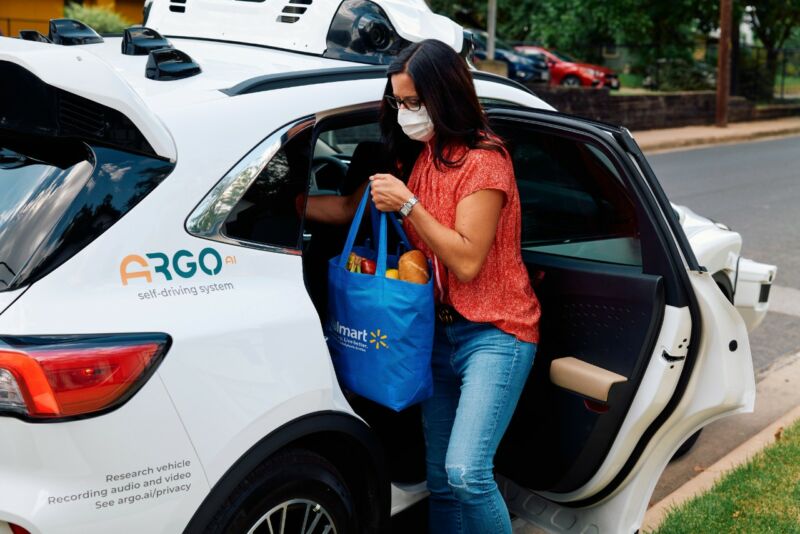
57	196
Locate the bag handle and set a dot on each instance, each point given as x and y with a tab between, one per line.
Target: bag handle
354	226
395	223
380	267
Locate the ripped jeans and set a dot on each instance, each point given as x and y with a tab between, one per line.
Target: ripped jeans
479	372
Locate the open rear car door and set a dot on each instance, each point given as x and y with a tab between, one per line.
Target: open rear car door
639	349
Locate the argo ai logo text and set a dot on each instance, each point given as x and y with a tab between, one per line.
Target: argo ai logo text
182	263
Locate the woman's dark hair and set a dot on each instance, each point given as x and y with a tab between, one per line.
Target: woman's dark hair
445	86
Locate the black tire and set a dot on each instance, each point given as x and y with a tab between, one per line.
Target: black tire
724	284
571	81
686	446
302	482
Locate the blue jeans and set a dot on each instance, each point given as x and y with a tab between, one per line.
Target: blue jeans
478	374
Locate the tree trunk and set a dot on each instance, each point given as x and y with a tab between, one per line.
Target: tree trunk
767	85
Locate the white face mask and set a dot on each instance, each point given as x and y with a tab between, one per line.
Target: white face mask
416	124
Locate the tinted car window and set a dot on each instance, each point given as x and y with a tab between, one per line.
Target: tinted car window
60	195
266	214
573	201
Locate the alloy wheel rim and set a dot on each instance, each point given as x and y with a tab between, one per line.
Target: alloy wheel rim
295	516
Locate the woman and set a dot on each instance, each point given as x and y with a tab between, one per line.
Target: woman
462	210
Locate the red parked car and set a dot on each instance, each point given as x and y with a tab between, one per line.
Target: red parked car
565	70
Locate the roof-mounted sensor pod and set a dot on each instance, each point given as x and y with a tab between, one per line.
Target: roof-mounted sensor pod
140	41
33	35
170	64
70	32
362	32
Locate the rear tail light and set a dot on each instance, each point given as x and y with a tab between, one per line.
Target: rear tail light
16	529
58	377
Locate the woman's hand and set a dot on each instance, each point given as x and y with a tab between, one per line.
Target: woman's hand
389	193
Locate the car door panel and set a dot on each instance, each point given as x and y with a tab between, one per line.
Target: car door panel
606	316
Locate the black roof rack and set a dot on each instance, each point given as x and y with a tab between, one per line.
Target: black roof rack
170	64
139	41
269	82
70	32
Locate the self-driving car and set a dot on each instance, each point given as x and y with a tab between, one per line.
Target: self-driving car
163	359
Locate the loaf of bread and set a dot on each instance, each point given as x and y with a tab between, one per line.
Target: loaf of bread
413	267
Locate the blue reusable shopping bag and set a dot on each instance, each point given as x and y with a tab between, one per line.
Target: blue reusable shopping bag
380	330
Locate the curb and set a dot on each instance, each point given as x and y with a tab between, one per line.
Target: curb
717	139
704	481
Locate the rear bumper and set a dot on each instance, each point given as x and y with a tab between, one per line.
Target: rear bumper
752	291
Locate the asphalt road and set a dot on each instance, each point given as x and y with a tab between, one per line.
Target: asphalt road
754	188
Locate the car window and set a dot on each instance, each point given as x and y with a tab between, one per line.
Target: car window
573	201
58	195
344	141
266	213
564	57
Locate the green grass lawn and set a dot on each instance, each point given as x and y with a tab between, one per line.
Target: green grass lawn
761	496
630	80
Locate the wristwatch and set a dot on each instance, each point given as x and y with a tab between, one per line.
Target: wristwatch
408	206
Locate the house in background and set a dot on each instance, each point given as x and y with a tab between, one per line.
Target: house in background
16	15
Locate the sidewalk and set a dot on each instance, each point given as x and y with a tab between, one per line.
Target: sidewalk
689	136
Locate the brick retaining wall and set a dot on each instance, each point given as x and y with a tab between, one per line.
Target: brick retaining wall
647	112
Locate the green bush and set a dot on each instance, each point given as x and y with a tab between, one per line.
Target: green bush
101	19
680	75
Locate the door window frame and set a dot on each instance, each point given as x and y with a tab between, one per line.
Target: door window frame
207	220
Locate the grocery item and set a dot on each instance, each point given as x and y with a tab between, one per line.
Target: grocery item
392	273
354	263
367	266
413	267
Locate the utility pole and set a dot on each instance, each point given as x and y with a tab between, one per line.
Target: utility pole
491	29
724	62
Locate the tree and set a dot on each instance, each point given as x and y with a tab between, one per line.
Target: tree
101	19
582	27
773	22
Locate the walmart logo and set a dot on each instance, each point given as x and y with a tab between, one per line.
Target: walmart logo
378	339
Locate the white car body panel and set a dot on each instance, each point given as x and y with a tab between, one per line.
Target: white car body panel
44	462
718	249
8	297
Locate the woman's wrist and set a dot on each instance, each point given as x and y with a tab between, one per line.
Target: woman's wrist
408	206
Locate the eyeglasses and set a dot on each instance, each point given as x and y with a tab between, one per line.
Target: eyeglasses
412	103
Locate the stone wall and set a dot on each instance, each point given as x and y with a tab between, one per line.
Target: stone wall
646	112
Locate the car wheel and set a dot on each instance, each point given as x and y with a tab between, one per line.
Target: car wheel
686	446
571	81
296	491
724	284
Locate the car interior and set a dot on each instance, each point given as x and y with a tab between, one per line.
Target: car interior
602	293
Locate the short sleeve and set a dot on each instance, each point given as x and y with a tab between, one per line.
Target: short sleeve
486	169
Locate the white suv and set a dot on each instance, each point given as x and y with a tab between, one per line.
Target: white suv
163	364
